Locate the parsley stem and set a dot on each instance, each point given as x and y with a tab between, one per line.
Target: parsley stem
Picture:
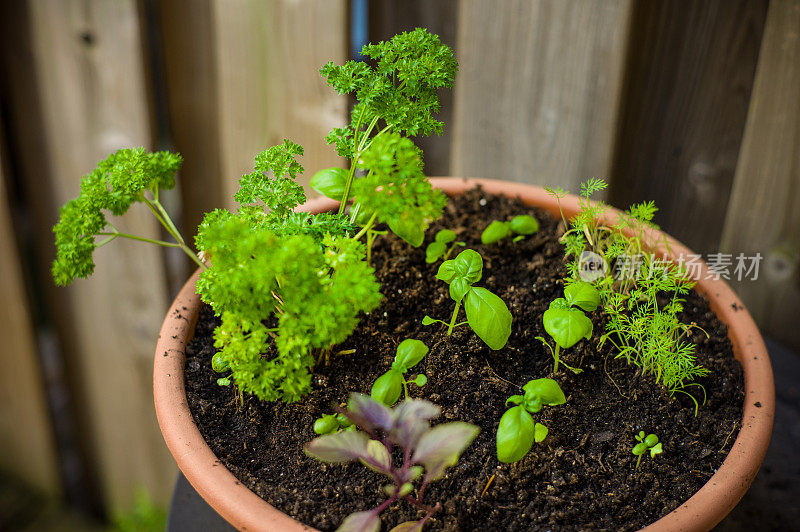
139	238
353	162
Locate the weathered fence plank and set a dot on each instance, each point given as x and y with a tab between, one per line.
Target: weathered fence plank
388	18
268	56
27	446
538	93
764	211
689	77
90	71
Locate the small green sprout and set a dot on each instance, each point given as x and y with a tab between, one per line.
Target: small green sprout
517	430
332	423
487	314
522	225
567	325
388	386
646	443
438	248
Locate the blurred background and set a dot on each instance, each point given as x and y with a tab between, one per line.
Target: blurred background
692	103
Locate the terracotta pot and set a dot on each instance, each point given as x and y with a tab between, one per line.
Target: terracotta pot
247	511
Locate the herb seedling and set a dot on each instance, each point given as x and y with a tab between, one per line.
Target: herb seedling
645	332
487	314
438	249
330	423
567	325
387	387
523	225
426	453
517	431
646	443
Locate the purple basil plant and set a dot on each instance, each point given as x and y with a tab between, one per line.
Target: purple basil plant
427	451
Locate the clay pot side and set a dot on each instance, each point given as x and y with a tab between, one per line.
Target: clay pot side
247	511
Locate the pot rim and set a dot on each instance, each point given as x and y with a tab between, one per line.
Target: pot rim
247	511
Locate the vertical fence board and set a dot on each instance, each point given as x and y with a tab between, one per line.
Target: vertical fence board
539	88
268	56
690	73
26	438
187	34
764	211
388	18
90	72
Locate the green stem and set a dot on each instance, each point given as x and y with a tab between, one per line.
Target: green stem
555	356
353	161
367	227
139	238
453	319
405	387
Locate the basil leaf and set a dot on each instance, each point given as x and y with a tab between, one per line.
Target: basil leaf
434	251
567	327
488	316
330	182
514	435
583	295
445	236
495	232
409	353
407	228
524	224
387	387
469	265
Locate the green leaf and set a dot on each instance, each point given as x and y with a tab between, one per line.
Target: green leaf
524	224
420	380
540	433
447	271
639	449
651	440
656	449
459	288
407	526
567	327
367	521
434	251
427	320
469	266
224	381
583	295
445	236
546	390
219	363
409	353
441	447
515	435
488	316
514	399
326	424
330	182
495	232
388	387
408	228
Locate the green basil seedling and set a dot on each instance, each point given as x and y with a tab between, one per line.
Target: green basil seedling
388	386
332	423
522	225
518	431
438	248
646	443
567	325
487	314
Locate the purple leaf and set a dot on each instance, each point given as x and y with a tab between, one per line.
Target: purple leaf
340	447
411	421
361	522
378	459
369	414
441	447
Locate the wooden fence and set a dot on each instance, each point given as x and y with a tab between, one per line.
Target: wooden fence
692	103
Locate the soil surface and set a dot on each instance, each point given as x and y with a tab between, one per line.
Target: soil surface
582	477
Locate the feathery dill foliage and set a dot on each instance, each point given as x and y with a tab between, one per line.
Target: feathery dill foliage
396	98
268	261
125	177
644	332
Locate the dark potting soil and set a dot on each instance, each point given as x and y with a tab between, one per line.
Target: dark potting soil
584	474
